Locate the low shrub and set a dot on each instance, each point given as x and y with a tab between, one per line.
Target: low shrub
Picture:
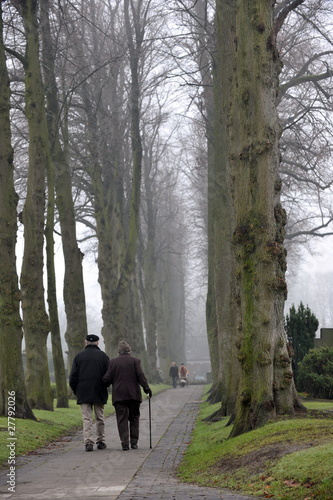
315	373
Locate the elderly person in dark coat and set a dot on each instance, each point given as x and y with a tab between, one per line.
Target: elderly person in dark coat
173	372
126	375
91	392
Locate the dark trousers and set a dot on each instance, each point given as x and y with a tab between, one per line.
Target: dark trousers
128	412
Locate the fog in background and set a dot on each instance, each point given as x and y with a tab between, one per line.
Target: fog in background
312	282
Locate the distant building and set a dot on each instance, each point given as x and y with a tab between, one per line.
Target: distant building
325	339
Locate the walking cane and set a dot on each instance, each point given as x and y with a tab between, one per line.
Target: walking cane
149	423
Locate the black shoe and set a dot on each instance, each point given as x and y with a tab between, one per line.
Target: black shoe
101	445
125	447
134	446
89	447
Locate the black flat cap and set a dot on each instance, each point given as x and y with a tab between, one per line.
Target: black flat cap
92	338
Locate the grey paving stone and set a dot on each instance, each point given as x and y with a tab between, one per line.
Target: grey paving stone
65	470
156	477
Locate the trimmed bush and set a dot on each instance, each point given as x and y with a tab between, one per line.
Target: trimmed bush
315	373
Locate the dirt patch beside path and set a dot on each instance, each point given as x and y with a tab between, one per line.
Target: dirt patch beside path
256	461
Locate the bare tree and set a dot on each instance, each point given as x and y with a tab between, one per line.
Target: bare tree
58	97
12	385
35	318
305	109
50	82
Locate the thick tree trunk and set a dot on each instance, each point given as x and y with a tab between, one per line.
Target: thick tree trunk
250	134
108	271
74	298
135	319
122	327
73	291
162	332
205	64
11	366
221	292
222	221
148	265
106	126
177	309
218	311
35	320
57	354
107	190
50	83
170	295
150	312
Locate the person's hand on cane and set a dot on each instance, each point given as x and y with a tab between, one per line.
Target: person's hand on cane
149	393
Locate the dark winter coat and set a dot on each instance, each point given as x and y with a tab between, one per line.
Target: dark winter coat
126	375
173	372
85	378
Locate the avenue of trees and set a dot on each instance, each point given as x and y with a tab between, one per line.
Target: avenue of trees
185	145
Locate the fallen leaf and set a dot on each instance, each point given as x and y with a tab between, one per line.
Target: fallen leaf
291	483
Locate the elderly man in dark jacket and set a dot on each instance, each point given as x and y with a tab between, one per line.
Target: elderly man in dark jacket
126	375
91	392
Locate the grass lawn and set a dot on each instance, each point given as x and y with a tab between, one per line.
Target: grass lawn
50	426
288	459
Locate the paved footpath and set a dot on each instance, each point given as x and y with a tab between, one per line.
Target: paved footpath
65	470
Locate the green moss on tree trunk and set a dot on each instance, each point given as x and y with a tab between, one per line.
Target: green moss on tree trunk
248	127
11	366
36	322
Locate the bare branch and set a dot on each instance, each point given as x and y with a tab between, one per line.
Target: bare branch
315	232
283	15
301	78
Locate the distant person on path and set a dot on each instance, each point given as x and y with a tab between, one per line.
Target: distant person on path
125	375
183	374
91	392
173	373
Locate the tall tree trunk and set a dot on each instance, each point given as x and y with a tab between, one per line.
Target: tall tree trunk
35	320
161	324
106	128
148	265
149	305
176	299
121	328
106	185
170	292
135	319
204	56
223	269
11	366
249	131
57	354
74	297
